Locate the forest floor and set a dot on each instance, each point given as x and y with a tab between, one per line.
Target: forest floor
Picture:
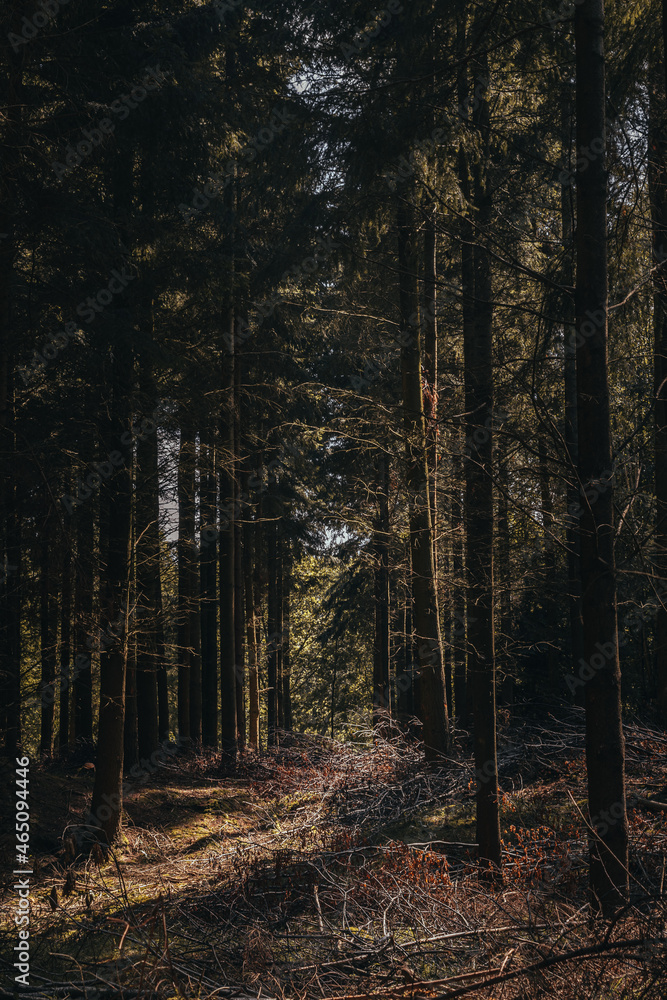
321	869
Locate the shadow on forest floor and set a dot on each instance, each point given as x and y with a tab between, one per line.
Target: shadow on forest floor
328	869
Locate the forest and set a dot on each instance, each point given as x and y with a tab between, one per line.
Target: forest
333	499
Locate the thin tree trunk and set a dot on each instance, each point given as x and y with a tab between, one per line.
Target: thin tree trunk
273	640
458	600
251	633
425	603
227	575
381	689
208	560
605	751
186	531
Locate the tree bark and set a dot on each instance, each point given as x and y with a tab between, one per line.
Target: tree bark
380	548
84	590
478	377
107	800
605	751
207	570
226	554
65	673
186	531
48	612
658	193
425	603
287	609
251	633
150	635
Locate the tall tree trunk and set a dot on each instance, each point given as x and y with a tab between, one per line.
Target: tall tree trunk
12	102
239	596
83	616
658	191
227	574
478	377
430	368
570	379
605	751
130	741
249	556
287	610
381	689
425	603
65	641
459	596
107	800
186	531
208	590
150	634
274	638
48	612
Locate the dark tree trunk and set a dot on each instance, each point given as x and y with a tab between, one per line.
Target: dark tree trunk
425	602
287	663
381	689
478	364
227	575
48	619
239	596
658	191
84	589
150	636
107	800
130	738
570	413
459	595
273	639
186	533
605	751
65	641
11	100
